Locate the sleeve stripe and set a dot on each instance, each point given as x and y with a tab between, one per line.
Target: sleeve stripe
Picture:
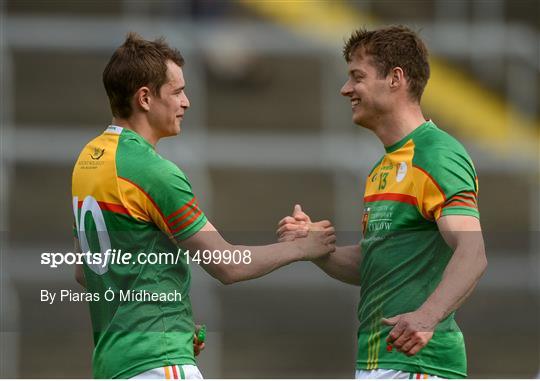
465	197
457	203
432	179
192	209
149	198
182	208
187	223
461	200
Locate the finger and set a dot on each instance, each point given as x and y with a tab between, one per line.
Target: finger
401	340
288	236
331	248
395	333
288	228
330	231
408	345
299	214
330	240
391	320
278	232
405	335
301	233
322	224
414	350
287	220
198	349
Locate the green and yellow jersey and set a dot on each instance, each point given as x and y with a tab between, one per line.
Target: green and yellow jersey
426	175
127	197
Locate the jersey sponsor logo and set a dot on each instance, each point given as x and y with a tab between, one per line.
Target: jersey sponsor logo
380	225
401	171
377	218
98	152
365	219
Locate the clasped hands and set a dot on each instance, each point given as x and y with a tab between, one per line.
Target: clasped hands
299	226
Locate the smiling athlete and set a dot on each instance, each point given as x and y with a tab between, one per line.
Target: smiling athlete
127	197
422	251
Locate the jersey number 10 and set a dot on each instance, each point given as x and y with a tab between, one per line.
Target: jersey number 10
91	205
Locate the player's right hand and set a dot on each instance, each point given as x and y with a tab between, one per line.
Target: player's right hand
320	240
295	226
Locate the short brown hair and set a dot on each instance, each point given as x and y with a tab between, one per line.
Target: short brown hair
391	47
137	63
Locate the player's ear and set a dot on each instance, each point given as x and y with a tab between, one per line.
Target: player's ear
397	78
143	98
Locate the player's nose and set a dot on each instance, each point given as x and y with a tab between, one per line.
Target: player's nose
184	102
346	89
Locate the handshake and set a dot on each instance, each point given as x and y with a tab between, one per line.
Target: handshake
315	239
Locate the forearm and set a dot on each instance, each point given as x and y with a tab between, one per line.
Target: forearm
263	260
256	260
343	264
459	279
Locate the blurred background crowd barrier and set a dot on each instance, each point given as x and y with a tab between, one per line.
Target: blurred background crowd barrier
267	128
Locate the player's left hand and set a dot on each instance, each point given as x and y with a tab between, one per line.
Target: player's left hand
412	331
197	346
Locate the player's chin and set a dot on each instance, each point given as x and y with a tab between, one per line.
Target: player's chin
175	130
357	119
360	119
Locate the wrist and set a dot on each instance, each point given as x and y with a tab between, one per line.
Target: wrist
321	261
433	313
299	251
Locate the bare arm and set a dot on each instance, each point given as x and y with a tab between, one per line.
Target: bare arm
464	235
79	273
343	264
412	331
264	259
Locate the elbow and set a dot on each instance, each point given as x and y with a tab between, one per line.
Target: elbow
226	279
79	277
228	276
483	263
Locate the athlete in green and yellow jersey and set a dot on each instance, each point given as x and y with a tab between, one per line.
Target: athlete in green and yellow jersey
129	199
421	178
422	251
